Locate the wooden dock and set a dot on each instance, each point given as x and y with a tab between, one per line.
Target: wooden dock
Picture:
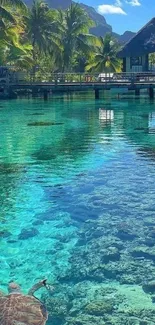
82	82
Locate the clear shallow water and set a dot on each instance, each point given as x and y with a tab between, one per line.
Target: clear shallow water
94	164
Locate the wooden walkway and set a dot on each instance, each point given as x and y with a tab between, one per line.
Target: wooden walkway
83	82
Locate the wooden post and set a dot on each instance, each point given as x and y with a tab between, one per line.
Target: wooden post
33	92
137	92
151	92
45	94
97	94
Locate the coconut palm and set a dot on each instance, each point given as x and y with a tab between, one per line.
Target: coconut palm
41	31
12	52
105	58
6	9
75	25
10	13
40	24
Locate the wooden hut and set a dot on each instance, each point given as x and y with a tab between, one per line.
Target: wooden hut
135	53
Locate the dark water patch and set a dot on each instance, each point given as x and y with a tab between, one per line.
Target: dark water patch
37	222
28	233
150	242
5	234
126	235
144	252
83	213
48	216
37	114
147	152
12	241
44	123
149	287
144	116
140	129
44	155
11	168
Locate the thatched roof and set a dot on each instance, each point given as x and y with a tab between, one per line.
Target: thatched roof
142	43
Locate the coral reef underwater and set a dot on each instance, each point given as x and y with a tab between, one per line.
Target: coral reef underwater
110	278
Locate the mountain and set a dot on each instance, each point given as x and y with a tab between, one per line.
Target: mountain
101	26
59	4
126	36
56	4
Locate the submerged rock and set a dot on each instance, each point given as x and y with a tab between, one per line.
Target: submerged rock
110	254
5	234
99	308
41	123
38	222
124	234
149	287
28	233
144	252
85	320
58	309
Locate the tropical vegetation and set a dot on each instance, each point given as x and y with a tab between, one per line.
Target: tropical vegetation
41	40
105	57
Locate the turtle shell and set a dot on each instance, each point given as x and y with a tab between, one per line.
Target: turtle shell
18	309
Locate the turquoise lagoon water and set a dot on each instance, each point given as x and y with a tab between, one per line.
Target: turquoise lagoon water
77	201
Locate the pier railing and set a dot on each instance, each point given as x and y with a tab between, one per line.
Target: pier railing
83	78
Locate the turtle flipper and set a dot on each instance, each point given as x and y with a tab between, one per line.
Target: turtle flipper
37	286
40	284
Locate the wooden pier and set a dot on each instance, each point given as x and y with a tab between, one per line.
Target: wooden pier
69	82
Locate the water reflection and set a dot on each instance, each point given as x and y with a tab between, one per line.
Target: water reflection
106	115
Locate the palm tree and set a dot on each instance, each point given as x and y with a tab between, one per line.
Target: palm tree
6	9
12	52
75	36
105	59
10	13
41	28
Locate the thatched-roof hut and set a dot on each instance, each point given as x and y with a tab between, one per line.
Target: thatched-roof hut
135	52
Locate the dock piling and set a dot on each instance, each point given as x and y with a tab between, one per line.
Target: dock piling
151	92
45	94
137	92
97	94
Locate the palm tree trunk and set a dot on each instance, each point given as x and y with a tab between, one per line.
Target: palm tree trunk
34	60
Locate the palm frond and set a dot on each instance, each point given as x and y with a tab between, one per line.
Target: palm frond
5	14
13	3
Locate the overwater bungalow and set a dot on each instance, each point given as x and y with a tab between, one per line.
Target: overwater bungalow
135	53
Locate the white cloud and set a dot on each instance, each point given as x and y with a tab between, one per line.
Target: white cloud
133	3
116	8
111	9
118	3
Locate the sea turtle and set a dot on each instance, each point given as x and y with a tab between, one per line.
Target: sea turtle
19	309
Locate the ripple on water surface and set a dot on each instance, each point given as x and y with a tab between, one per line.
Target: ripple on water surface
77	205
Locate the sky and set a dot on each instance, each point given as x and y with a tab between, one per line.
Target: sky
124	15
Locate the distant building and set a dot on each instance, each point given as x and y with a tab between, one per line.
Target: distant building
135	53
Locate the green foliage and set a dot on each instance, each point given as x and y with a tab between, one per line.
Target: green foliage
44	41
105	57
152	60
8	7
74	34
39	26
